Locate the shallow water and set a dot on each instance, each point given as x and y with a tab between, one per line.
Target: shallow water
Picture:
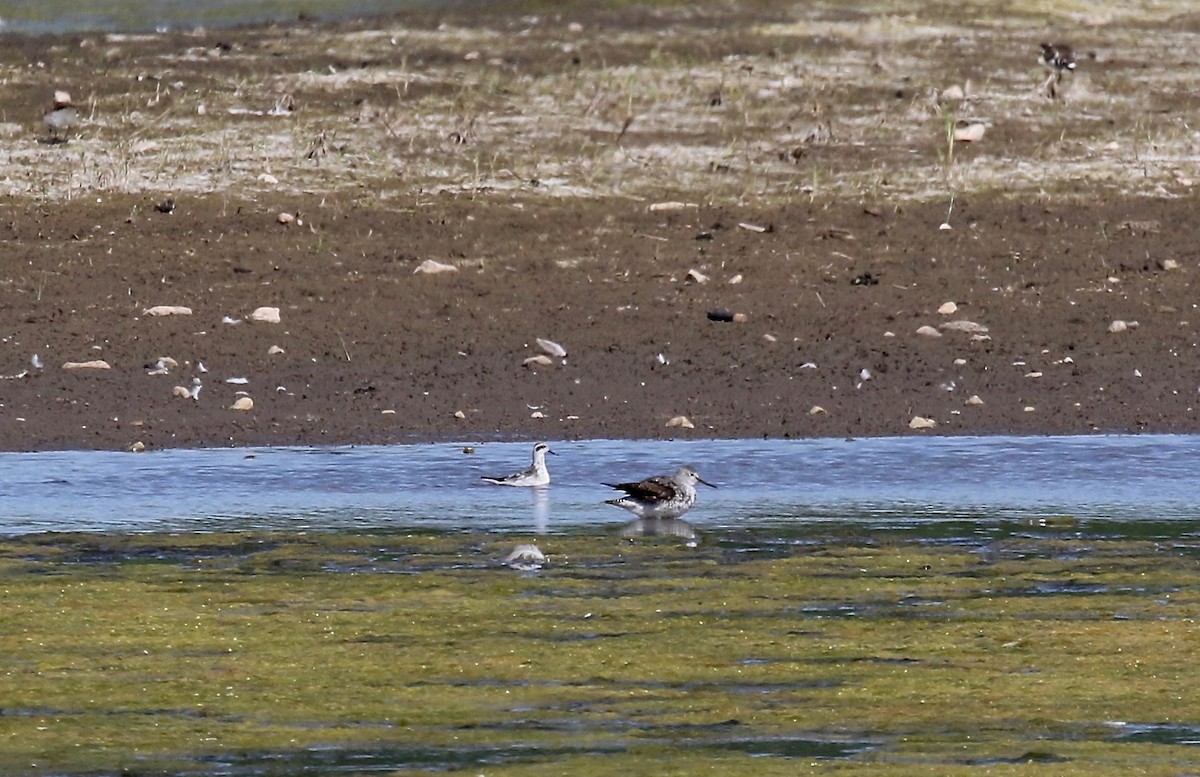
60	16
1125	485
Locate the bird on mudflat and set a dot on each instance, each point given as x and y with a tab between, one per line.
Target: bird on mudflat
534	475
661	496
61	117
1058	56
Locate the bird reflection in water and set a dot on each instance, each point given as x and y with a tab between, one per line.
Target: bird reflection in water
661	527
541	510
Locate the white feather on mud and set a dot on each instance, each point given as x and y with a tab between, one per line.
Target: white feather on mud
430	267
552	348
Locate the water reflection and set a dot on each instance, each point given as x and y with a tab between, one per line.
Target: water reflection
661	527
541	510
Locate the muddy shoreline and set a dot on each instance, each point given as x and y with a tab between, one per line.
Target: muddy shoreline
609	196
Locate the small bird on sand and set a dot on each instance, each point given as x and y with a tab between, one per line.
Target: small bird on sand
534	476
1059	57
661	496
61	117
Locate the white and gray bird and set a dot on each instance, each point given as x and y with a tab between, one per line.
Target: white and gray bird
61	117
661	496
535	475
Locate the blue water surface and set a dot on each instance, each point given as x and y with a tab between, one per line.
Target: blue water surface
872	483
32	17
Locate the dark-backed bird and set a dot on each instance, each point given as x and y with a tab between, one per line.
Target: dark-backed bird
661	496
1058	56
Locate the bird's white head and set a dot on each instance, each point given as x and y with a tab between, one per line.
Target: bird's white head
689	475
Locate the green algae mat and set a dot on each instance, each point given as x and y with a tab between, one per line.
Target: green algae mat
306	654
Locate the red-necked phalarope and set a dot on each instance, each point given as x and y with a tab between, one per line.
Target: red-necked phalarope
535	475
661	496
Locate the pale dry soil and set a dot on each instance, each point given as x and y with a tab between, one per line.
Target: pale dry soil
801	149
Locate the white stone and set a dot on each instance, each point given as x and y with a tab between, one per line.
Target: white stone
265	315
964	326
970	133
168	310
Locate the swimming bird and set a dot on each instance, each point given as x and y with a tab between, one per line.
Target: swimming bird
661	496
61	117
535	475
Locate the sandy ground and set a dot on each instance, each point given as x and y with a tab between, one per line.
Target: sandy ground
607	182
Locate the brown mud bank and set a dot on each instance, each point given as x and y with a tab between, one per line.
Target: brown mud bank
604	181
